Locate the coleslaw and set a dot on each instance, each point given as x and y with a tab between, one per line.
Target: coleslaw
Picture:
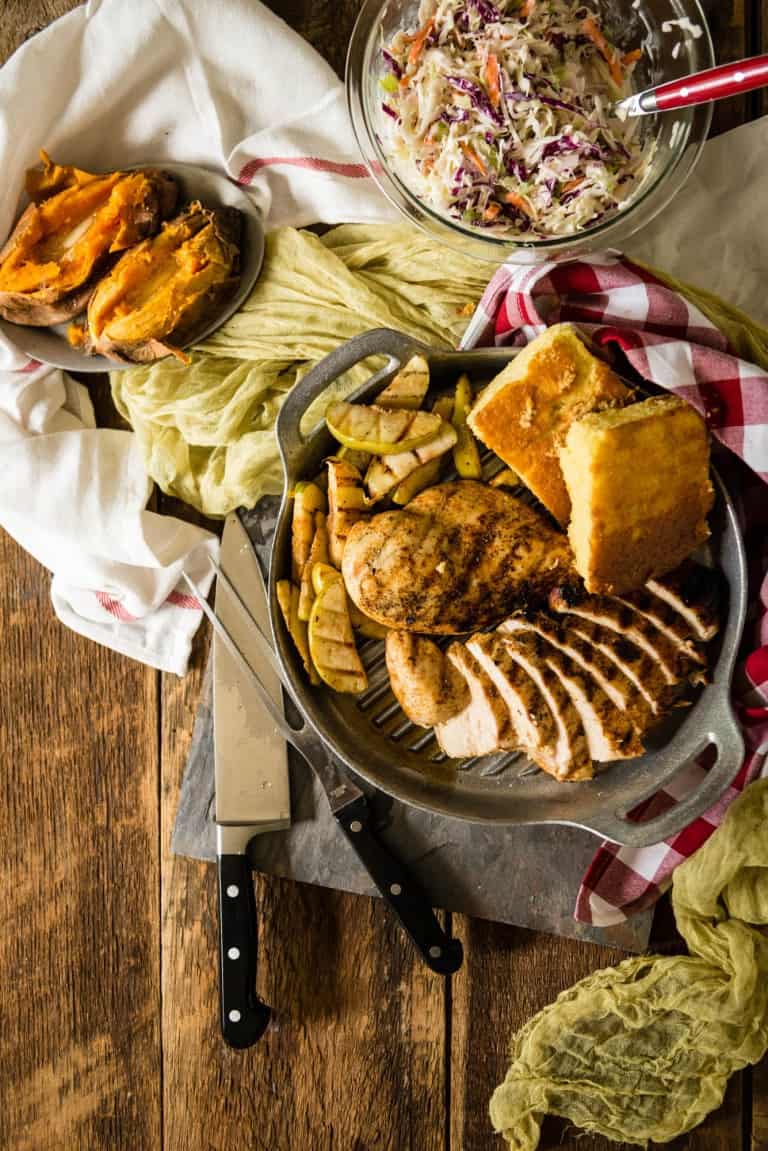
497	113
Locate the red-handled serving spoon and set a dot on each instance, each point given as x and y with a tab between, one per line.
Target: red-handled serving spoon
699	88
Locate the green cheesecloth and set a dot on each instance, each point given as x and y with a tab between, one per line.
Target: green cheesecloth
205	430
644	1050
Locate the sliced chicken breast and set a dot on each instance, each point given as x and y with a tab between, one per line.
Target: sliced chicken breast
571	759
531	716
672	625
425	683
643	671
627	622
694	592
484	724
616	684
610	734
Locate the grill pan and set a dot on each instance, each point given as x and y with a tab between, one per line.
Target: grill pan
371	735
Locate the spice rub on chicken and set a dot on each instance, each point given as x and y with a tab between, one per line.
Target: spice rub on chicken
460	557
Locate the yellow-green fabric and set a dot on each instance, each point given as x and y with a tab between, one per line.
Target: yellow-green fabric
206	431
644	1051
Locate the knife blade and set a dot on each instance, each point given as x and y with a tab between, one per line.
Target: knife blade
251	779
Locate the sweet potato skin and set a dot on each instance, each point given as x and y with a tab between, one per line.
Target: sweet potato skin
51	301
215	235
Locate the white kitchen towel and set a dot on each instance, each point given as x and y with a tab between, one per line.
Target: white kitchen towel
227	85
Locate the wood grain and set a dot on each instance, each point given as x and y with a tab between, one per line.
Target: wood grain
79	946
760	1108
355	1056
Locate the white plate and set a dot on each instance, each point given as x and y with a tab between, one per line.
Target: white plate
49	345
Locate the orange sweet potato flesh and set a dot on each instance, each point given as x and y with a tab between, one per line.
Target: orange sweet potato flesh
73	230
160	295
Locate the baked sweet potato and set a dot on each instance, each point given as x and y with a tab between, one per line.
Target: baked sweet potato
72	231
161	294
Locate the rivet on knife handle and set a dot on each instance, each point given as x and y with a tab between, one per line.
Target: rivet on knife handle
244	1017
442	954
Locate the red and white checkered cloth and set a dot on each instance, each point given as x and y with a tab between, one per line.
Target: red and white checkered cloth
669	342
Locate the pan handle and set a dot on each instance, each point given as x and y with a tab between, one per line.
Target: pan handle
379	342
729	743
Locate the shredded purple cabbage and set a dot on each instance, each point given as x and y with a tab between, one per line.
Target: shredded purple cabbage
477	96
390	111
568	144
487	12
517	168
392	64
454	115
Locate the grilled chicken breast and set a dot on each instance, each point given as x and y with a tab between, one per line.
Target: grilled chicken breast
425	683
460	557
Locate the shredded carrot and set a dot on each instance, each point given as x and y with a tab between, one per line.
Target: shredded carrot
571	186
492	79
473	158
589	28
427	164
492	211
519	202
527	8
632	57
418	41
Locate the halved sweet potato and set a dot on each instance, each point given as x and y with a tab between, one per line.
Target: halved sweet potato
75	227
160	295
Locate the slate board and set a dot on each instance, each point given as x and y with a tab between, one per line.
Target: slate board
528	876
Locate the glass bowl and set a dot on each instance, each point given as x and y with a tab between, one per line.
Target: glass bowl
679	136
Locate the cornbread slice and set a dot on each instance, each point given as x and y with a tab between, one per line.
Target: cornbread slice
524	414
638	480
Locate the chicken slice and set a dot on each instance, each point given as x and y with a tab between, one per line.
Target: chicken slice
531	716
616	684
643	671
484	725
425	683
694	592
610	734
628	622
672	625
571	759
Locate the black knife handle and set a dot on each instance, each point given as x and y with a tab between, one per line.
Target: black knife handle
244	1017
398	887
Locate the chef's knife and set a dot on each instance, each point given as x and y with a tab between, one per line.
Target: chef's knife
347	802
252	791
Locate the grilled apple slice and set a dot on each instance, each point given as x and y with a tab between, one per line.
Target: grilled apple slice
506	479
332	640
380	431
363	623
318	554
465	455
386	472
307	499
347	504
409	387
288	599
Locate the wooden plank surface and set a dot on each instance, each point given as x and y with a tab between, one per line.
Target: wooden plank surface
109	943
79	945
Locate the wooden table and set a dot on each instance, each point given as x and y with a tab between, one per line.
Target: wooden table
109	1037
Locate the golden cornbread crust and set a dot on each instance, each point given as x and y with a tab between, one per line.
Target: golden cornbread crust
640	492
524	414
